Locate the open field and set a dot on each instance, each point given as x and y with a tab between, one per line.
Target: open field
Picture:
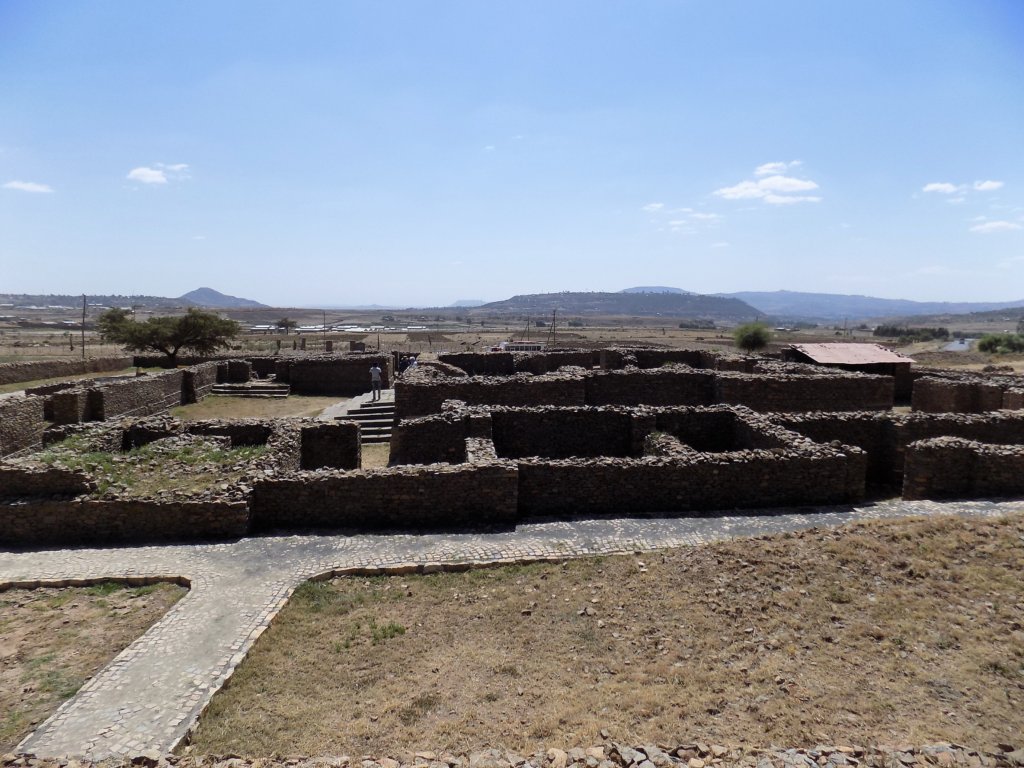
227	407
53	640
896	632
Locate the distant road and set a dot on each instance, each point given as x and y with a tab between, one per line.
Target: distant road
960	345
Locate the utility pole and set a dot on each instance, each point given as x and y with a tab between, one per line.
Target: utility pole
83	329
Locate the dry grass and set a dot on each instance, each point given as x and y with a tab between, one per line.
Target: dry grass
376	455
53	640
227	407
893	632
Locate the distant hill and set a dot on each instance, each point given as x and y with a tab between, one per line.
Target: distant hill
468	303
207	297
795	305
93	300
653	289
690	305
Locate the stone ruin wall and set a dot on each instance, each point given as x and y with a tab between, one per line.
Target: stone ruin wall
12	373
967	393
339	375
419	393
435	496
22	423
885	436
89	521
952	468
336	445
762	466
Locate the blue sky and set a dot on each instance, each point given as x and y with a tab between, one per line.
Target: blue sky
416	153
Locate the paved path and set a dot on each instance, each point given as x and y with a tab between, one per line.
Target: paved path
149	697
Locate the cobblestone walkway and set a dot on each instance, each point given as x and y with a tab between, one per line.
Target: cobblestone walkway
148	698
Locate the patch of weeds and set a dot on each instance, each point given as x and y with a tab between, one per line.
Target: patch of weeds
378	634
104	588
418	708
839	595
491	697
1000	668
146	589
57	682
507	669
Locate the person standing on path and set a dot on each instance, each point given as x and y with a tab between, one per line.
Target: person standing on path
375	381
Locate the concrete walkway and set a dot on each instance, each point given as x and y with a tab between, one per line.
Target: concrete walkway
149	697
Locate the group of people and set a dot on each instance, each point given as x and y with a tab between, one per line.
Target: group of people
405	363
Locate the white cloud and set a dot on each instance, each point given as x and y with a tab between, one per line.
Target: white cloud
786	184
742	191
773	199
705	216
721	244
771	169
159	173
198	237
489	148
653	207
146	175
773	190
942	187
987	186
29	186
995	226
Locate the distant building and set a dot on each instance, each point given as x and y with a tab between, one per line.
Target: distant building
866	358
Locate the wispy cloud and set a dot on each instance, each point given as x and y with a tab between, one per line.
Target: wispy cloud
720	244
774	189
29	186
773	169
158	173
990	227
948	188
653	207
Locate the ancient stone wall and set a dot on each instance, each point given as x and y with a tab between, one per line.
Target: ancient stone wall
885	436
951	467
783	393
742	479
22	421
343	376
430	439
675	385
551	360
419	393
12	373
964	395
556	433
481	363
335	445
197	382
101	522
434	496
39	482
141	396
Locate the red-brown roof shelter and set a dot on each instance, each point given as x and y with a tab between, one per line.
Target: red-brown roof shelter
866	358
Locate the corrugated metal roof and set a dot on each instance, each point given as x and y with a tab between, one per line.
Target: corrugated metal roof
850	354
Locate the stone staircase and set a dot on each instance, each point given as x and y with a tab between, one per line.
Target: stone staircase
375	420
252	389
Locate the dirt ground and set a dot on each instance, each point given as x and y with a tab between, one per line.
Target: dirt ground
227	407
53	640
897	632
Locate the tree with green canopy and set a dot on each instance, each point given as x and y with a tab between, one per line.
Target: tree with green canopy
751	337
198	332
